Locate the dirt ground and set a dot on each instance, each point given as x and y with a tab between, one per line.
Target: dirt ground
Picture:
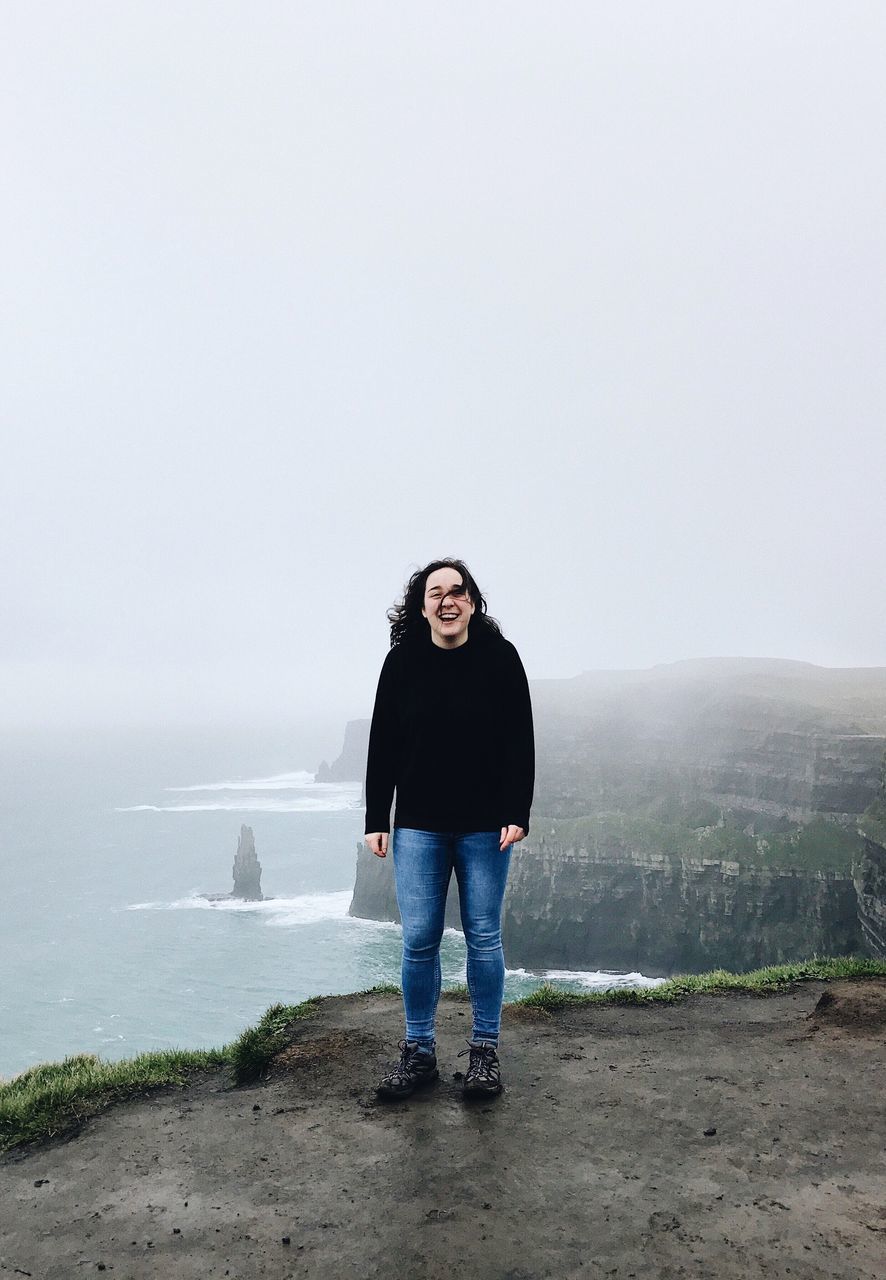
726	1136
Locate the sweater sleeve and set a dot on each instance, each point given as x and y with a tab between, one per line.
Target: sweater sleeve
381	763
519	745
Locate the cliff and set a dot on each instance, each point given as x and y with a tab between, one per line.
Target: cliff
779	738
787	739
350	765
629	910
694	815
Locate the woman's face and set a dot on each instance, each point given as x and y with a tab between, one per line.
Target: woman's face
447	607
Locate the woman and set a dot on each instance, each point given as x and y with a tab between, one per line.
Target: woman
452	734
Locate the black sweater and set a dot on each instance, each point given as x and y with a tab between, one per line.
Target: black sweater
452	732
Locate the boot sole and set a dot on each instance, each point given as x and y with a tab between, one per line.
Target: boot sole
493	1092
393	1095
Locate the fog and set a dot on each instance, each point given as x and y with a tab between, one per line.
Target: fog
301	296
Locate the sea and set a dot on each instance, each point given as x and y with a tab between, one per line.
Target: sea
109	840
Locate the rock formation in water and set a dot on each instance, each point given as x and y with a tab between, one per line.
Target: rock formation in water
247	868
247	873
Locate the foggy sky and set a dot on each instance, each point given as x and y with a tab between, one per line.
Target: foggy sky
301	295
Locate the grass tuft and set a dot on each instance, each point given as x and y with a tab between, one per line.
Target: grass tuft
251	1053
57	1096
456	991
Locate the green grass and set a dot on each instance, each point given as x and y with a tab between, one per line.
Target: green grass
455	991
762	982
53	1098
56	1096
251	1053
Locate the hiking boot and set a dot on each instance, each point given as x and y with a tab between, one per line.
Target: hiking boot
416	1068
483	1076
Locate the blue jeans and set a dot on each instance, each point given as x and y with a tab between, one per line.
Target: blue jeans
423	863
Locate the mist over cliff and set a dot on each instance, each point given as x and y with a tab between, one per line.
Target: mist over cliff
694	814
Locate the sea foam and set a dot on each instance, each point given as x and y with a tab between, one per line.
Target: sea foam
304	908
245	795
277	782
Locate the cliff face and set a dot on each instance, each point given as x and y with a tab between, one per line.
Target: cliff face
695	815
870	871
738	752
374	896
870	886
575	908
350	766
579	908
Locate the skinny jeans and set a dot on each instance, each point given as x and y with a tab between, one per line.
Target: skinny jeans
423	865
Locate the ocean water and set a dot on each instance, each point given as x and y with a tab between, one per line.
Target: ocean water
108	841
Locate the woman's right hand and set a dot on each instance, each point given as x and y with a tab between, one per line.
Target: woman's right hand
378	843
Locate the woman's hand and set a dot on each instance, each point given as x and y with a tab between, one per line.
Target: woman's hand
378	843
509	835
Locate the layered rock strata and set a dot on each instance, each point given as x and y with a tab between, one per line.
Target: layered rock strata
870	886
870	872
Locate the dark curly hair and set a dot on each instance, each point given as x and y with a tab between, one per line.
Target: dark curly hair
406	617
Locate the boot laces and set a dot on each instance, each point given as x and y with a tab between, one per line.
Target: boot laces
401	1072
483	1064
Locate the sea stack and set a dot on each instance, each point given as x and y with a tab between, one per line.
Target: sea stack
247	868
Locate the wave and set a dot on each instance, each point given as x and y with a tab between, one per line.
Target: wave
593	980
315	908
305	796
304	908
598	979
296	909
313	797
252	804
277	782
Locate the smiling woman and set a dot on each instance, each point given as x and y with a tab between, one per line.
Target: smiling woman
447	607
452	735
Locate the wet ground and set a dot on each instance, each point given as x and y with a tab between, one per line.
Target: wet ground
725	1136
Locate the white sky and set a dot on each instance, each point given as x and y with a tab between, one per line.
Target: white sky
301	295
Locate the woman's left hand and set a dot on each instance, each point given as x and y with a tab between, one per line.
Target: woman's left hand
510	835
